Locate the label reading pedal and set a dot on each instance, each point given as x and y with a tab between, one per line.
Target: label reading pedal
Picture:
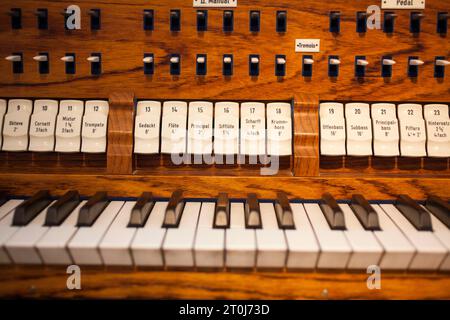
215	3
402	4
307	45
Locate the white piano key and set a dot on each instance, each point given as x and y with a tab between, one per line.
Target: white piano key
209	242
52	246
6	227
21	246
366	249
335	249
303	249
430	252
240	243
115	246
441	232
179	242
270	240
147	243
84	244
398	251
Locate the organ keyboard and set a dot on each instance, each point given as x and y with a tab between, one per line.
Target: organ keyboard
248	146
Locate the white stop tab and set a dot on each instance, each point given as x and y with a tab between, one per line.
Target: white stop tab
173	131
279	129
332	129
385	130
68	126
200	127
146	127
438	130
42	126
16	124
226	128
253	129
95	126
359	129
412	130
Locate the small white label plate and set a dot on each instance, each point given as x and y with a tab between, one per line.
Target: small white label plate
215	3
307	45
402	4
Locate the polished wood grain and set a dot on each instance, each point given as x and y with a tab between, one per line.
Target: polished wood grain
122	43
40	282
120	133
341	186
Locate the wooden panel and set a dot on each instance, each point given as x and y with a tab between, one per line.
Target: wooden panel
127	283
120	133
122	43
341	186
306	135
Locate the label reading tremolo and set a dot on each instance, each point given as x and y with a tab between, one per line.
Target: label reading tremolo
402	4
214	3
307	45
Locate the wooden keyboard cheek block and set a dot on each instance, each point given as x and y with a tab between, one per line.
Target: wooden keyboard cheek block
120	133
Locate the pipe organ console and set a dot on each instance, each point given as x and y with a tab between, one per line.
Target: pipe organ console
225	149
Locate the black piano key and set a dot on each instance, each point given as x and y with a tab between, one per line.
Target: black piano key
252	212
3	197
415	214
283	212
332	212
92	209
439	208
29	209
365	213
61	209
141	210
222	212
174	210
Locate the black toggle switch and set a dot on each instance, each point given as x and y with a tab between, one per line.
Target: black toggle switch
332	212
69	61
175	20
16	18
253	65
442	24
386	66
149	63
360	66
388	24
227	65
228	21
439	66
96	63
361	21
414	23
280	65
175	64
307	66
333	66
141	210
413	66
335	21
42	19
281	21
254	21
201	63
17	62
44	63
202	20
148	20
95	19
